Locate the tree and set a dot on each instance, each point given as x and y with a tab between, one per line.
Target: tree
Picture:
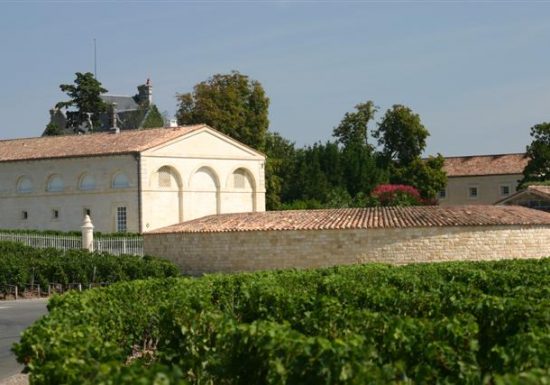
52	129
538	167
353	127
401	135
85	98
153	119
280	158
426	175
232	103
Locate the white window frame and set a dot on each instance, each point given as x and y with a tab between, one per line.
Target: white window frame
468	192
445	192
121	219
505	185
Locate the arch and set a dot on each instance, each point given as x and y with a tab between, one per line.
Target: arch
241	186
86	182
204	188
120	180
246	174
24	185
166	180
54	183
168	177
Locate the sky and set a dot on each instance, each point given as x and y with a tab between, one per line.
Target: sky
477	73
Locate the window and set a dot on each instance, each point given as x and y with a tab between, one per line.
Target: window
87	183
442	194
239	179
120	181
121	224
55	214
55	184
24	215
24	185
165	178
504	190
473	192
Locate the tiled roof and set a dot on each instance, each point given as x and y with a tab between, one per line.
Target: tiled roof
540	191
363	218
485	164
69	146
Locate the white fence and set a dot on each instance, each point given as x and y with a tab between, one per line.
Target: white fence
111	245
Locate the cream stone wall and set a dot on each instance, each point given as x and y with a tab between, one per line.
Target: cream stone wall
202	166
488	189
71	202
197	253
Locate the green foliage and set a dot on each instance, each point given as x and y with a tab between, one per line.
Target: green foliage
153	119
353	127
53	129
280	154
232	104
446	323
427	175
22	265
85	98
401	134
538	168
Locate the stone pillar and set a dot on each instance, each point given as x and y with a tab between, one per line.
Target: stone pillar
87	234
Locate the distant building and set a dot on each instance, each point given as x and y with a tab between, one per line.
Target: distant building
134	181
481	179
535	197
131	113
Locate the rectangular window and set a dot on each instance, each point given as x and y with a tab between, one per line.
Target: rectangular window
121	223
442	194
504	190
24	215
55	214
473	192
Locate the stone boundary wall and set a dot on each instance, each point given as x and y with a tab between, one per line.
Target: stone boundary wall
197	253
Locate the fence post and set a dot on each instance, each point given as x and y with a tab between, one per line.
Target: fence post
87	234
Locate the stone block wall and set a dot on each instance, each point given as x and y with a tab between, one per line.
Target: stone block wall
197	253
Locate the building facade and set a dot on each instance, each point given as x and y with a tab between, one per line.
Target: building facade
534	196
481	179
132	181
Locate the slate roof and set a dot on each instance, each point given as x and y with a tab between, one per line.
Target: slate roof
69	146
500	164
123	103
363	218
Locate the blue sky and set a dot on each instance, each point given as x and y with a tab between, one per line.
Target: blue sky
477	73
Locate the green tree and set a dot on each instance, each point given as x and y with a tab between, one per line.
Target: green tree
84	98
353	127
401	135
280	154
153	119
538	167
232	103
426	175
52	129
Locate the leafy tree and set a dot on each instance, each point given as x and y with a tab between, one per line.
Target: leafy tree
353	127
52	129
401	134
232	103
85	98
280	157
538	168
153	119
426	175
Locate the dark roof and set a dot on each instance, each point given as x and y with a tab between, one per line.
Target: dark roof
68	146
500	164
363	218
123	103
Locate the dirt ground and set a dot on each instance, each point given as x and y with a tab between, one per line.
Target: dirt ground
18	379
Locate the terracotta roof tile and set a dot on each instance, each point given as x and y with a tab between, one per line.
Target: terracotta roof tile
363	218
69	146
485	164
543	191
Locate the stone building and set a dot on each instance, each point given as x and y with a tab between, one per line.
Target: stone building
321	238
132	181
535	197
481	179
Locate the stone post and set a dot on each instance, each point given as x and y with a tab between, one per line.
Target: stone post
87	234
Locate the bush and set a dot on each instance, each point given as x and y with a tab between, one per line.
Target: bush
397	195
448	323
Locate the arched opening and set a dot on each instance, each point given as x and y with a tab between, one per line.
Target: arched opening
241	188
120	180
24	185
54	184
167	182
87	182
204	190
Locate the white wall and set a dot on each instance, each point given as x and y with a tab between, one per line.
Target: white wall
488	189
71	202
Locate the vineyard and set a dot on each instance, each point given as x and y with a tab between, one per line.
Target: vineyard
448	323
29	269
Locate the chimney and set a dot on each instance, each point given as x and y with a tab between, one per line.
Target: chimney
114	119
145	92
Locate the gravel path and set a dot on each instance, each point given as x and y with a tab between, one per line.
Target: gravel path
18	379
